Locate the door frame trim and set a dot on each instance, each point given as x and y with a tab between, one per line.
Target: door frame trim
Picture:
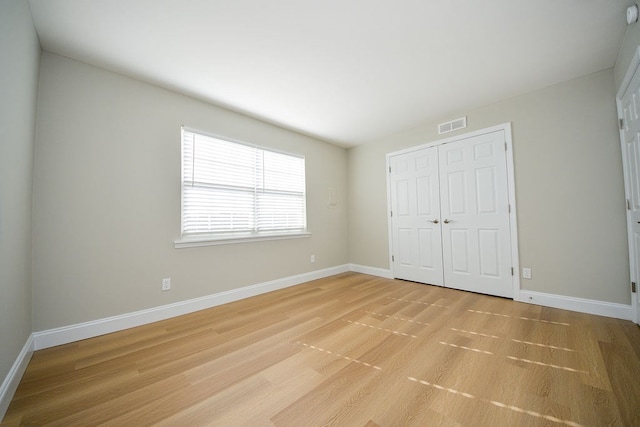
634	66
513	224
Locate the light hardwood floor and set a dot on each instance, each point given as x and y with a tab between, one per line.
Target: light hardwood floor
349	350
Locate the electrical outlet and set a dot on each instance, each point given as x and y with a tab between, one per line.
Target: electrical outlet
313	258
526	273
166	283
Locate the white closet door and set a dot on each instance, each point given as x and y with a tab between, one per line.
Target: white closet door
475	215
630	106
415	220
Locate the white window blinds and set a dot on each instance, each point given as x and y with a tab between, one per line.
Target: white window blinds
234	188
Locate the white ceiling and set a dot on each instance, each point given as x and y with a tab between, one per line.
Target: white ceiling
345	71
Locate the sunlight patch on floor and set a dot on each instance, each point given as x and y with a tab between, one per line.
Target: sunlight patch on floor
520	317
473	333
533	362
381	329
476	350
419	302
396	317
340	356
496	403
542	345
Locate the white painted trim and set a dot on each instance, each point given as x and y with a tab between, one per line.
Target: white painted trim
513	222
454	138
599	308
194	242
67	334
373	271
511	184
633	275
80	331
387	172
12	380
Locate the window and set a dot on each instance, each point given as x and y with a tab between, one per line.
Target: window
235	191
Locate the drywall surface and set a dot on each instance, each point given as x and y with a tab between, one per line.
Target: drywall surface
569	188
107	199
20	53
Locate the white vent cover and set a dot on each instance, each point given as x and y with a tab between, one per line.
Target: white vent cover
456	124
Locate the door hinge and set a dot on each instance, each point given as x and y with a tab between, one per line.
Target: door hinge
633	287
391	214
505	146
393	259
512	271
621	122
628	205
389	169
509	207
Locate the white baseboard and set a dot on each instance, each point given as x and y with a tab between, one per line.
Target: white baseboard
67	334
373	271
600	308
10	383
80	331
71	333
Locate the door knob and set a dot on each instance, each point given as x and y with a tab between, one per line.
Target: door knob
435	221
447	221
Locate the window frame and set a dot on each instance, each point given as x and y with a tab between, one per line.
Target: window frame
201	239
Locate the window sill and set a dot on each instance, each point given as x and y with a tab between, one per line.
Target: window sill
197	241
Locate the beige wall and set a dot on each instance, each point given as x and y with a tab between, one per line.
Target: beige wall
107	199
569	188
106	192
20	53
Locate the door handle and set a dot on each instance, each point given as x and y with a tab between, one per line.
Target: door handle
435	221
447	221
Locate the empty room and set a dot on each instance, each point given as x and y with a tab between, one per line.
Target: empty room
290	213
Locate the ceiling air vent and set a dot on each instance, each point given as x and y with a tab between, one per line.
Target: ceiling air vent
456	124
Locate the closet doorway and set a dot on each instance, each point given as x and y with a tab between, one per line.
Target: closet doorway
452	213
628	101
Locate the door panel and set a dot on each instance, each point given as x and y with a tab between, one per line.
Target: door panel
404	247
403	205
429	256
415	204
636	246
459	246
630	137
489	251
483	150
476	236
454	156
486	189
424	185
634	157
457	192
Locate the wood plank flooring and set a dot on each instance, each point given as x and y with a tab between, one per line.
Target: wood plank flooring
349	350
